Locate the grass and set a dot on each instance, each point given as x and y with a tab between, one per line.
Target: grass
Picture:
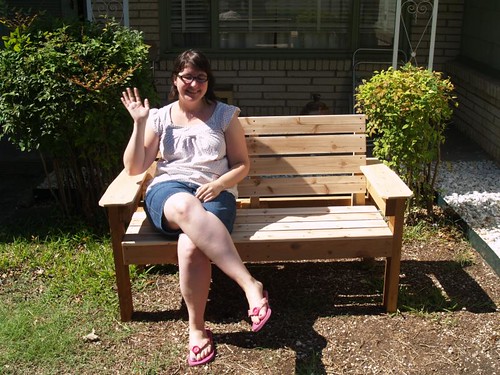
56	285
76	265
38	333
465	257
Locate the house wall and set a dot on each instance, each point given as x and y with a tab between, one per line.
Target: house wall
480	41
478	114
57	8
477	82
273	86
282	87
53	7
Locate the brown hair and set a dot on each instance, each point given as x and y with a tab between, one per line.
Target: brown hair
199	61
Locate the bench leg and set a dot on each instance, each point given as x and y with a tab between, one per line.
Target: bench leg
393	263
124	293
121	270
391	284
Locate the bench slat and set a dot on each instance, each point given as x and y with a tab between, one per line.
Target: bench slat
287	225
304	144
311	224
325	124
309	210
301	186
334	248
273	218
311	234
152	238
300	165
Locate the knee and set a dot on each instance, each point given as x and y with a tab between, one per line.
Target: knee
187	252
180	207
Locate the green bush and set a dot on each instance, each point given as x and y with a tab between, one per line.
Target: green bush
59	94
407	112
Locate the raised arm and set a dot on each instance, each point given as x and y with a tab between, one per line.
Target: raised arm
142	147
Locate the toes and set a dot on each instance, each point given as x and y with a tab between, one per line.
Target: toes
258	314
201	354
202	351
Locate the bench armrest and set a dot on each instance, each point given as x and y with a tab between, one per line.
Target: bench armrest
385	186
124	190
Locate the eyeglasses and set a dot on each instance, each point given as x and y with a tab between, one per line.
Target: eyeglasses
188	78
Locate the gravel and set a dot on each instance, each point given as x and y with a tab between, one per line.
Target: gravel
472	189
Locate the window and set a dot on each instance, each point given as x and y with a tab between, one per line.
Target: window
376	28
284	24
337	25
190	23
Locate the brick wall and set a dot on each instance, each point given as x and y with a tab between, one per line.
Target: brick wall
272	86
144	16
448	34
283	87
478	113
276	87
480	41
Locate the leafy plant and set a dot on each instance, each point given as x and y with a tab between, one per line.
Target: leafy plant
59	94
407	113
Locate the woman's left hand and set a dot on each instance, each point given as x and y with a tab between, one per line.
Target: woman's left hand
208	192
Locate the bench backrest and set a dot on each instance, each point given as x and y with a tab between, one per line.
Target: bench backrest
304	156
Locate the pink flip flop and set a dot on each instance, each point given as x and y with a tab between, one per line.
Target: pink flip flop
196	349
256	310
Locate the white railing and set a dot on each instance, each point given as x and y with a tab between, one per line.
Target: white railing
416	8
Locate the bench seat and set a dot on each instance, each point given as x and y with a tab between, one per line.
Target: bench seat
278	234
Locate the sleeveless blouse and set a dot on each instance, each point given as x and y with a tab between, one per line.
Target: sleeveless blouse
194	153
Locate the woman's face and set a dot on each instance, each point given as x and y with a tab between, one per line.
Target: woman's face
191	83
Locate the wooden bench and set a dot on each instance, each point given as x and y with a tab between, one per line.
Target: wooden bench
309	195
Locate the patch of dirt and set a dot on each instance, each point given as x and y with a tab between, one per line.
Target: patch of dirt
327	318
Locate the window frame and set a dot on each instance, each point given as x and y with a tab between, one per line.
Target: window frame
167	50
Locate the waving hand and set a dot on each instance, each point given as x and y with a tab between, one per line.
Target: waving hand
131	99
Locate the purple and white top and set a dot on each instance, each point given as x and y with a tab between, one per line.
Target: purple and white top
194	153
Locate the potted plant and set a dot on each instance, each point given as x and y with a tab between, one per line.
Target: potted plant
407	112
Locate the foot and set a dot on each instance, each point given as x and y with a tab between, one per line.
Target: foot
201	348
261	313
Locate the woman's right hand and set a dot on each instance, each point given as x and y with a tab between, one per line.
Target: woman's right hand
142	146
131	99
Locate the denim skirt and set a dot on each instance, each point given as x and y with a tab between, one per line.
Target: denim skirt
223	206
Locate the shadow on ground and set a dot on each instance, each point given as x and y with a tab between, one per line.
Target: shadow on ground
301	293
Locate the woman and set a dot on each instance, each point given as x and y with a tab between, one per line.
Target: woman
193	193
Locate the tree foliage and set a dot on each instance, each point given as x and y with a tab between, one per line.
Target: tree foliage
407	113
59	94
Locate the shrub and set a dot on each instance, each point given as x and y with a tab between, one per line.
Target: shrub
59	94
407	113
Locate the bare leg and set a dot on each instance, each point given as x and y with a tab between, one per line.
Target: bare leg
195	273
208	234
